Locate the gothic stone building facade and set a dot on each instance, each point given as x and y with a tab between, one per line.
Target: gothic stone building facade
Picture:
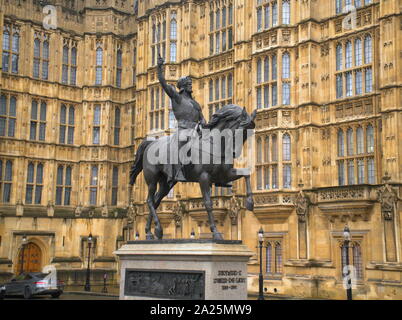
78	97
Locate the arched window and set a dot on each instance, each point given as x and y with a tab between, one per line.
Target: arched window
45	60
338	6
211	21
286	93
71	123
259	178
266	17
349	134
93	190
266	69
259	98
224	17
217	89
278	258
358	52
370	138
6	180
266	177
367	49
211	90
218	19
99	62
36	61
64	71
274	14
360	140
274	67
223	87
286	11
259	151
351	172
259	19
63	122
357	261
286	65
119	68
269	258
115	184
116	139
274	151
173	28
259	71
8	115
173	51
266	149
96	124
73	66
230	86
286	145
339	57
341	144
6	50
348	57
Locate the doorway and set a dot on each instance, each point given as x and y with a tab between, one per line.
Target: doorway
29	259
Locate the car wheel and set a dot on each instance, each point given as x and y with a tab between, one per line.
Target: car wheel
27	293
56	295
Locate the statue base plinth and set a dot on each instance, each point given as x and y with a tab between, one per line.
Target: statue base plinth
184	269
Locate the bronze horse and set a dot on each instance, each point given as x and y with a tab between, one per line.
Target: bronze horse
231	118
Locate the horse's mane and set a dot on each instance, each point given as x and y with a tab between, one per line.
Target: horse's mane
227	113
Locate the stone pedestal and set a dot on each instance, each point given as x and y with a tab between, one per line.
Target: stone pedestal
183	269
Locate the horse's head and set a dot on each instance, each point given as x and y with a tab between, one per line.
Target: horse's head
236	120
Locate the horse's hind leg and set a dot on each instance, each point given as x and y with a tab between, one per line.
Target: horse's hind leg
151	205
205	185
164	188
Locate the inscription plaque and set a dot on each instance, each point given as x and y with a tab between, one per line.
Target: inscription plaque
169	284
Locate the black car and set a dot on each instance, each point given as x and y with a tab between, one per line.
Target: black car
32	283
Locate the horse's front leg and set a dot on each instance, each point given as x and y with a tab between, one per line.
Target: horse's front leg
205	186
152	211
235	174
249	193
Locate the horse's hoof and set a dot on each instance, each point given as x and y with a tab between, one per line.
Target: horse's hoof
249	204
149	236
159	233
217	236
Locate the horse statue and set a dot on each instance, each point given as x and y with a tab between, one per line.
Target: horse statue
230	119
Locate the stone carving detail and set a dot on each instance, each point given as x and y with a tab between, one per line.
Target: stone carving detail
302	203
178	212
344	193
132	212
324	50
234	209
165	284
78	210
387	197
265	199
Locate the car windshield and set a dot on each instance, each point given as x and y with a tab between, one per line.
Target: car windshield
19	277
41	275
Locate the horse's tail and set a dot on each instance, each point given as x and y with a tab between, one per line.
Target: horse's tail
137	166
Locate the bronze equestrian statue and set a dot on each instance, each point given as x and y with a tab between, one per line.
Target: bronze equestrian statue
194	131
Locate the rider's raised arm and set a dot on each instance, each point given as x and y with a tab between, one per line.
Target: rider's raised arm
169	89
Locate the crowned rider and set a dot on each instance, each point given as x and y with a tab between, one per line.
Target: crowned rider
187	112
